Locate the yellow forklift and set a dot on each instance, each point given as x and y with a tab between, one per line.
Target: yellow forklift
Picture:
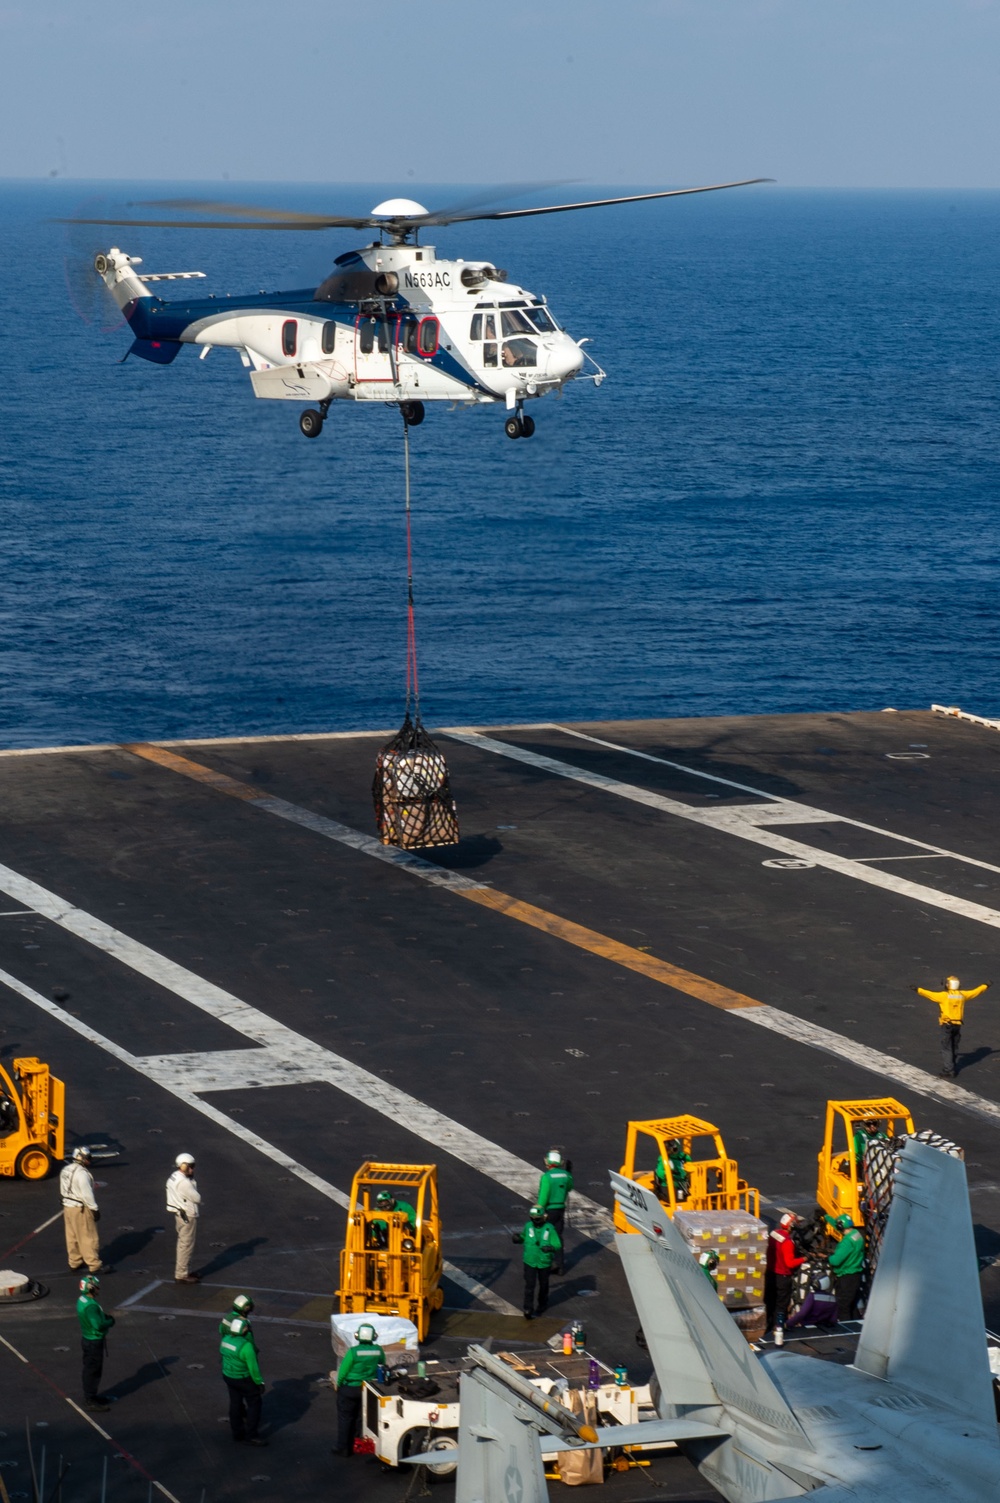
32	1123
697	1173
849	1124
391	1265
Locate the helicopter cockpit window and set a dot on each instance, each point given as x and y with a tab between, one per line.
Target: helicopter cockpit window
289	336
515	323
329	338
541	320
476	332
519	352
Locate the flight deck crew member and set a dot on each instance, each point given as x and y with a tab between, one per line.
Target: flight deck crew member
359	1364
782	1261
951	1003
241	1372
846	1263
184	1200
80	1213
553	1193
241	1308
541	1249
94	1327
386	1201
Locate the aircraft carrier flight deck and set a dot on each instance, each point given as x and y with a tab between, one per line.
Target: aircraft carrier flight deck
206	941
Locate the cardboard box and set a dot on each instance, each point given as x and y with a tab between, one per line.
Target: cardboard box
739	1241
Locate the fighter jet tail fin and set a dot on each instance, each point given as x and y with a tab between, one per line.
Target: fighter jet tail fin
924	1326
702	1359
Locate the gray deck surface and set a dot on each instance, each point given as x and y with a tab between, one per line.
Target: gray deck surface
513	1033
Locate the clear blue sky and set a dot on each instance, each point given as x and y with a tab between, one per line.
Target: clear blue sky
839	93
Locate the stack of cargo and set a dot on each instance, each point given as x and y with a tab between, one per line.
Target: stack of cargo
739	1241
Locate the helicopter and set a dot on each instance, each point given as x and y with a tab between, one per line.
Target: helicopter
392	322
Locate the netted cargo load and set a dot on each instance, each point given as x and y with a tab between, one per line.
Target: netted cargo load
739	1241
412	793
880	1164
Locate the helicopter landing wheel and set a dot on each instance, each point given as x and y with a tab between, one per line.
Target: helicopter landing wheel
413	413
512	427
527	427
311	423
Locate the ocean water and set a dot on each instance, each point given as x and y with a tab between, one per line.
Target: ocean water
783	498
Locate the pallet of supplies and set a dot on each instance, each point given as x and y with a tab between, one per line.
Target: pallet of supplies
739	1241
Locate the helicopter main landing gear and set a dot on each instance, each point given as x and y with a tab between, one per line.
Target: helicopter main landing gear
413	413
519	425
311	422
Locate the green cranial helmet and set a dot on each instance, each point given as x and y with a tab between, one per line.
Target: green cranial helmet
675	1146
536	1213
90	1283
844	1223
385	1199
365	1333
243	1304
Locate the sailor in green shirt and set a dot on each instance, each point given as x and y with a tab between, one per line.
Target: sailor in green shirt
553	1193
677	1160
241	1373
94	1327
241	1307
359	1366
541	1248
847	1262
386	1201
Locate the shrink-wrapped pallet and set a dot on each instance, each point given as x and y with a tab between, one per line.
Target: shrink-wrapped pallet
739	1241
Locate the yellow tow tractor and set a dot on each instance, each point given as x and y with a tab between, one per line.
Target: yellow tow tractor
840	1183
32	1126
696	1172
391	1264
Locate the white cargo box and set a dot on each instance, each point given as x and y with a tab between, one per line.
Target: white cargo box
398	1338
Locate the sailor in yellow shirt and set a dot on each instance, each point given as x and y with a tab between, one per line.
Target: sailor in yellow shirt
952	1010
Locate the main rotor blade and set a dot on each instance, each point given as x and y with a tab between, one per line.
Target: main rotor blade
254	211
227	224
490	195
596	203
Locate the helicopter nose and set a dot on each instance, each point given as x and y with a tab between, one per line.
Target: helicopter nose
565	359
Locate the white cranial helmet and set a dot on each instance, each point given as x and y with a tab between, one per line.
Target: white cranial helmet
184	1158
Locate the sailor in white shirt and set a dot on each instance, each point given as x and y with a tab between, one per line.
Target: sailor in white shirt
80	1213
183	1200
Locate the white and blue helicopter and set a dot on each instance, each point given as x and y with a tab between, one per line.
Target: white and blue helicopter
392	323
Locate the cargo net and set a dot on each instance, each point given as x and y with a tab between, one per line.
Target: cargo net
881	1162
412	793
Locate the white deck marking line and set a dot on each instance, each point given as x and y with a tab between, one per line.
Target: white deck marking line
19	1355
734	821
93	1423
779	810
140	1294
590	1217
919	856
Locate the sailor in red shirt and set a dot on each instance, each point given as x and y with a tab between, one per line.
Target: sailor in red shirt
782	1261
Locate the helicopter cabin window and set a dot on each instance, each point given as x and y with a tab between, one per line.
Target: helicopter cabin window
476	331
515	323
329	338
367	330
289	336
427	337
519	352
541	319
408	336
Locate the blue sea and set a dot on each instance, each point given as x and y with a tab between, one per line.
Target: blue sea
783	498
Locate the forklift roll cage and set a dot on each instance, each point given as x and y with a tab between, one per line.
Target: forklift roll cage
390	1279
715	1183
840	1185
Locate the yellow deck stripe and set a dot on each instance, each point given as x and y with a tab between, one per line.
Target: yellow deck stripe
611	949
582	938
